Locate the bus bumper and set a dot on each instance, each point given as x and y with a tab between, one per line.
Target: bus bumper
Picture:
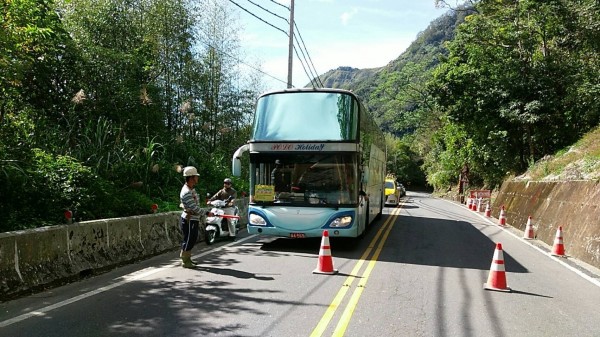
313	233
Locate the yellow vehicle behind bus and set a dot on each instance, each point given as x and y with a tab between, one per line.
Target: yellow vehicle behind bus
393	191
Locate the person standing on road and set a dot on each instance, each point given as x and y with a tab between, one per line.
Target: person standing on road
190	218
224	194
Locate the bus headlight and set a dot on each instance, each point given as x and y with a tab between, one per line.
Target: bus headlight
257	220
341	221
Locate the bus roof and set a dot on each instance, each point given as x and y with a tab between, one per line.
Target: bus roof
292	90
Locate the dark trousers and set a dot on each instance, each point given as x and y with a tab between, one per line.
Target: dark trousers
189	228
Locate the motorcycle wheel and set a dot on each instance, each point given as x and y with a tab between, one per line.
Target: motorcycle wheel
211	237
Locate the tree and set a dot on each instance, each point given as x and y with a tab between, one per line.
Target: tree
36	74
115	89
506	81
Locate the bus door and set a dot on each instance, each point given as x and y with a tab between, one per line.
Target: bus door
362	214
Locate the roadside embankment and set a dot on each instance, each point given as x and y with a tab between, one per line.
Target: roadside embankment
574	205
30	259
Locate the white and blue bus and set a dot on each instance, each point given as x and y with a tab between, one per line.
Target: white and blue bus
317	162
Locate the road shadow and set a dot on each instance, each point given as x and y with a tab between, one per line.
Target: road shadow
444	243
528	294
413	240
407	206
235	273
307	245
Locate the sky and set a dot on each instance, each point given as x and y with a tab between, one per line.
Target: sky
355	33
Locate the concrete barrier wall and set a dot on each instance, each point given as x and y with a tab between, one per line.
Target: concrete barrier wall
32	258
574	205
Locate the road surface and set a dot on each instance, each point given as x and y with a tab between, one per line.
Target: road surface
419	271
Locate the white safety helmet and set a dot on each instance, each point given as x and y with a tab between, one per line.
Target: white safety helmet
190	171
227	181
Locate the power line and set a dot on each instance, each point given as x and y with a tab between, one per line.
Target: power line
302	47
282	5
244	63
303	67
247	11
302	40
311	76
313	70
268	11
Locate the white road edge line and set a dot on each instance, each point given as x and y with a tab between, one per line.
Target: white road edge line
137	275
545	253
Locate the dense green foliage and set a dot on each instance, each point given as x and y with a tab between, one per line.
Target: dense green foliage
497	86
517	80
102	101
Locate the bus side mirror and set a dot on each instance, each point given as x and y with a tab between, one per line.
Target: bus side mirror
236	162
236	167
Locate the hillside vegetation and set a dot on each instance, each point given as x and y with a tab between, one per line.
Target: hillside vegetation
496	87
103	101
581	161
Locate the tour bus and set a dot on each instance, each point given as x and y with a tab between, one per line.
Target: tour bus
317	162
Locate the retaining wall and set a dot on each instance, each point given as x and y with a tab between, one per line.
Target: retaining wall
574	205
33	258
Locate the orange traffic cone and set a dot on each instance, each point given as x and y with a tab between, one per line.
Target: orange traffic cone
497	276
558	249
488	211
502	219
528	234
479	205
325	265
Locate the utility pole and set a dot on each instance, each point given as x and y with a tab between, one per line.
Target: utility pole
291	46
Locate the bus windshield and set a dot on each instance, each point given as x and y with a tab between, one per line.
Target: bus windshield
307	179
306	116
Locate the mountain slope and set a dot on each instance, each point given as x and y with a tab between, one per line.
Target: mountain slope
342	77
370	84
581	161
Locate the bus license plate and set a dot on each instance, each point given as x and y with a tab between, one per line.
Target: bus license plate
297	235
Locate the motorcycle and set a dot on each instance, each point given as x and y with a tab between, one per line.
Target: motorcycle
221	221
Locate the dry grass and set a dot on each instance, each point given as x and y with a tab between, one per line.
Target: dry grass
579	162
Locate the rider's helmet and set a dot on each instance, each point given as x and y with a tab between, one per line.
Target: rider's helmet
227	181
190	171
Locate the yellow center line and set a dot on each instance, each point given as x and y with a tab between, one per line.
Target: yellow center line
340	329
324	322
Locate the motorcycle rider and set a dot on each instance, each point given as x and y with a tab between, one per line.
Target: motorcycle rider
224	194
